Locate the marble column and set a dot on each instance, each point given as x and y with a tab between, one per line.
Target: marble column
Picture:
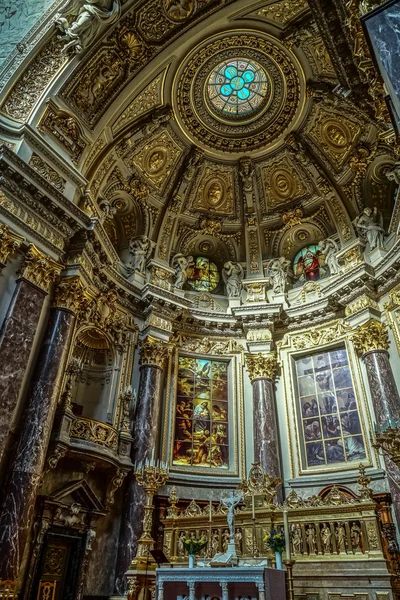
26	467
262	372
153	354
371	341
18	332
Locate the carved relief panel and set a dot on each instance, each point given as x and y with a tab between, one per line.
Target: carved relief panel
215	190
284	181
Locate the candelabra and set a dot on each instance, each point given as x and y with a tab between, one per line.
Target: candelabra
150	477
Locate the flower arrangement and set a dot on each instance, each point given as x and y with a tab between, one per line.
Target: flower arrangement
275	540
194	546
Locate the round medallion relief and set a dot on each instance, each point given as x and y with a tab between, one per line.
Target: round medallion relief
238	93
336	134
214	193
155	161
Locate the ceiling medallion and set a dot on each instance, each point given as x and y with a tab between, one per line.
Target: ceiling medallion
238	93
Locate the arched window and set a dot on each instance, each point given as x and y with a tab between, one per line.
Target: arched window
309	264
203	275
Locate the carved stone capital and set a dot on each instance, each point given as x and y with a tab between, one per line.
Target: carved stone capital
262	366
371	336
153	352
39	269
9	243
70	294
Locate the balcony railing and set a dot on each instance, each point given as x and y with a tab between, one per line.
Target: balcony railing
95	432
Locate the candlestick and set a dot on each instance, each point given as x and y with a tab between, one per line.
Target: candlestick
287	533
253	512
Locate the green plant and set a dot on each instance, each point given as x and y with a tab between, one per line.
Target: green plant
275	540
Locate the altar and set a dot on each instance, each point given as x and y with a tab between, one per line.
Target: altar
202	583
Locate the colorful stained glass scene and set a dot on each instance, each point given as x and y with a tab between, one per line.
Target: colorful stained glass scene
201	417
203	275
331	428
309	264
238	87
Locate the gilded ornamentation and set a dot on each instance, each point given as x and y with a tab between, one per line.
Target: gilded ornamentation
340	217
70	294
160	277
205	345
27	90
9	243
256	292
372	533
215	191
173	511
55	456
95	432
47	172
370	337
259	335
262	366
260	483
254	251
65	129
353	257
197	119
322	58
284	181
157	159
179	10
284	11
97	147
148	99
166	237
316	337
115	483
360	304
39	269
153	352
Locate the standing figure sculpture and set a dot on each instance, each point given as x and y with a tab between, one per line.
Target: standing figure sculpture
246	173
326	536
330	249
232	274
278	269
297	540
181	264
311	541
91	16
340	535
369	225
140	249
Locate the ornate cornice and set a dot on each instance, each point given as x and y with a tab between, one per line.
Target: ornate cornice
370	337
39	269
9	243
153	352
262	366
360	304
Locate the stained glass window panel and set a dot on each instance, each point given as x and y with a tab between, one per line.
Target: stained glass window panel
238	87
330	422
203	275
309	264
201	419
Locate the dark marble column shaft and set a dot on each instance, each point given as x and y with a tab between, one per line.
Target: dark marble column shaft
266	440
26	468
146	428
16	339
384	393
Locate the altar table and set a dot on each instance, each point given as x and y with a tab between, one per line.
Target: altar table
228	583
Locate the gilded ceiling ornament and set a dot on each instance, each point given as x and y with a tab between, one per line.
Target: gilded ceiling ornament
179	10
246	172
153	352
284	11
284	181
156	159
65	129
370	337
262	366
9	243
39	269
215	190
148	99
47	172
165	237
98	81
247	130
254	250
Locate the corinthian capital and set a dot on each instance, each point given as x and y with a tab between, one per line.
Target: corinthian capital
9	243
153	352
371	336
70	294
39	269
261	366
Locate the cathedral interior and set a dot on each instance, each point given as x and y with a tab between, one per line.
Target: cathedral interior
200	300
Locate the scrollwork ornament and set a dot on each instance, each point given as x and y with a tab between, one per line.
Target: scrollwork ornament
370	337
153	352
39	269
70	294
262	366
9	243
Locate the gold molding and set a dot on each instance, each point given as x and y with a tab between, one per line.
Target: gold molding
261	366
360	304
9	243
371	336
39	269
153	352
70	294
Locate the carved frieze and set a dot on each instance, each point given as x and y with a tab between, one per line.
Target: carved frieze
282	12
65	129
206	345
47	172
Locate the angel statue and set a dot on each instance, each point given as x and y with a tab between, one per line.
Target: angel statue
233	274
89	17
246	173
181	264
278	269
140	249
369	225
330	248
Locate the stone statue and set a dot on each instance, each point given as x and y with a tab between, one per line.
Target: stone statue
181	264
369	225
238	540
90	17
246	172
394	173
233	274
278	269
326	536
297	540
355	534
225	540
215	542
231	502
330	248
181	547
310	533
140	249
340	535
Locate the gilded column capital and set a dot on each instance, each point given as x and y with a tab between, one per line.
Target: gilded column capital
9	243
370	336
39	269
262	366
70	294
153	352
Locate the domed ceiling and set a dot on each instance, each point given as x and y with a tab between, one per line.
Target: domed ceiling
220	129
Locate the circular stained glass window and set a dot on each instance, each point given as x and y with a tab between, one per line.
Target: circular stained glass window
203	275
238	87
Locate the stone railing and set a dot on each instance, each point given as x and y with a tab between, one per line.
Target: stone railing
95	432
